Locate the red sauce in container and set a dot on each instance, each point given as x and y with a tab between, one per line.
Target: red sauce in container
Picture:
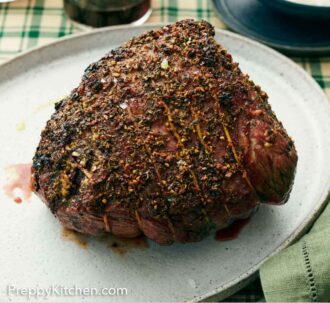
231	232
19	177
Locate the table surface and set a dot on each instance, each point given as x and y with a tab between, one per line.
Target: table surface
28	23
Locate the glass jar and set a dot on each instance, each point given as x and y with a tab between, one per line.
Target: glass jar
99	13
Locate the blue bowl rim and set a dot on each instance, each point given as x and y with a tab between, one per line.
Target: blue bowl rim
300	5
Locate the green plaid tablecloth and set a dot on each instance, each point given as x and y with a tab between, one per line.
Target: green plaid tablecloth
29	23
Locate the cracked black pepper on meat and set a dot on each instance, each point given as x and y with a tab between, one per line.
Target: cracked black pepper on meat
165	137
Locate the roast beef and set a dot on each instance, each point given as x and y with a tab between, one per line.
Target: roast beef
165	137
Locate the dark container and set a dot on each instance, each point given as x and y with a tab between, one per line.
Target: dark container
99	13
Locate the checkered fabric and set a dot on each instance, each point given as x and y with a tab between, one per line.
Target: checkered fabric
28	23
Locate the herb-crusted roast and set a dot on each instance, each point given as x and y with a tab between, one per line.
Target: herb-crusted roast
165	137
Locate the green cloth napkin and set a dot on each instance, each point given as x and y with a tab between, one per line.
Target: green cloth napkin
301	273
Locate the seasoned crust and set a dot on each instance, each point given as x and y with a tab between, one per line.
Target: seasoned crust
159	131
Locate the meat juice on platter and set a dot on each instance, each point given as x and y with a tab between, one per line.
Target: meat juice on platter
98	13
118	245
164	137
19	178
232	231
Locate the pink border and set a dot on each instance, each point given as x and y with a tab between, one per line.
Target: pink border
164	316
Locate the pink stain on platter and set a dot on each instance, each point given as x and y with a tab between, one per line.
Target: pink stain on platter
19	179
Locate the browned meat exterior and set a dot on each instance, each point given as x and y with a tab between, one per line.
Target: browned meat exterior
165	137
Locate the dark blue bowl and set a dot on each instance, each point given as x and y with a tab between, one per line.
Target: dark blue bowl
287	33
299	9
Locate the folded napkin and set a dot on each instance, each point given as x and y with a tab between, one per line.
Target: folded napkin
301	273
